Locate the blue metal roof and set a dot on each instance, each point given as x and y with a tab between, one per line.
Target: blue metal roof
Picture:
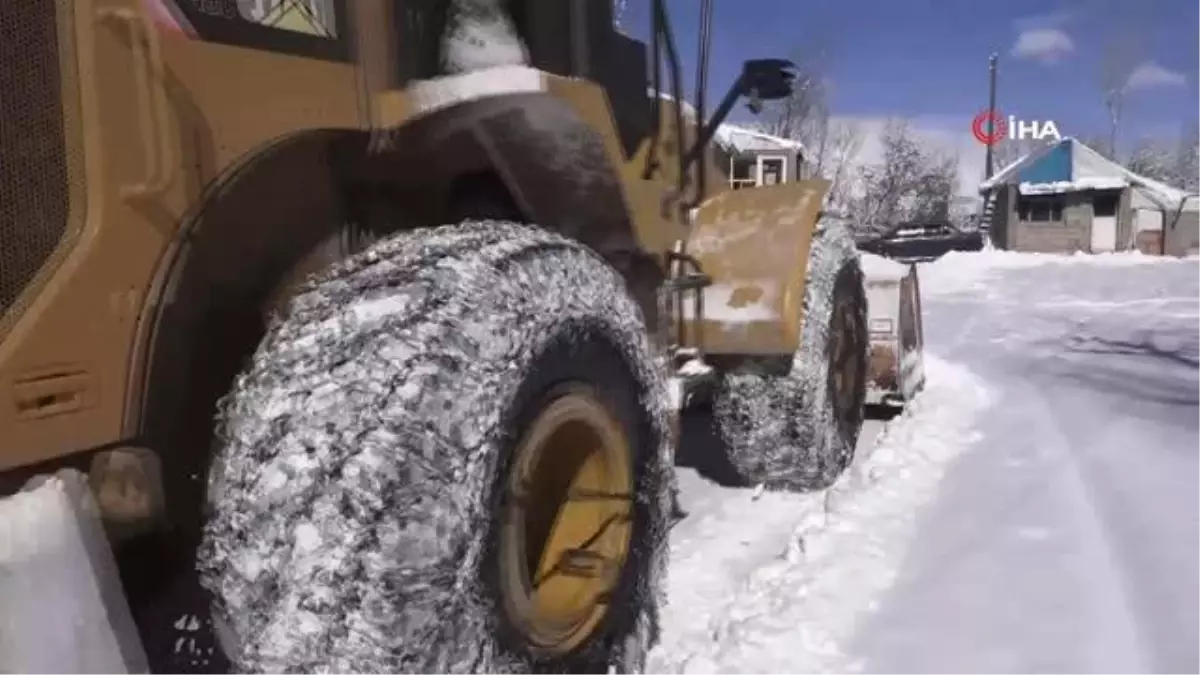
1055	166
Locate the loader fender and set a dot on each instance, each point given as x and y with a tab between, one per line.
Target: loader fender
308	200
301	203
754	244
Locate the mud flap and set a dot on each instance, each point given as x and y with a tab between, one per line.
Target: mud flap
63	608
754	244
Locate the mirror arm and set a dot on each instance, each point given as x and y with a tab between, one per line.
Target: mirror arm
704	40
696	152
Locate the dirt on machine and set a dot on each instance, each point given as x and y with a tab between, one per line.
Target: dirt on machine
366	327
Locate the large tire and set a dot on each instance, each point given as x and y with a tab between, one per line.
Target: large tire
356	506
798	431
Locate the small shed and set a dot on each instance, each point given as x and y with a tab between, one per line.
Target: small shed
752	158
1067	197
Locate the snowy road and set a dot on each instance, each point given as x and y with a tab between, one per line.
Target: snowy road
1063	536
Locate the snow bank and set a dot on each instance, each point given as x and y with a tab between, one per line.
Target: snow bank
878	268
795	610
960	271
63	608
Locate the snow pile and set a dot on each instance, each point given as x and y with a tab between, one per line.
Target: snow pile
63	608
481	56
480	35
879	268
742	600
965	271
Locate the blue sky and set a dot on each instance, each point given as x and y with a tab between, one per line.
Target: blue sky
927	59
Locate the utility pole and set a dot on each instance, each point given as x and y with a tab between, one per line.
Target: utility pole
991	122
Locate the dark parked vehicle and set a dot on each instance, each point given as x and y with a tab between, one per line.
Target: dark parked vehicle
918	242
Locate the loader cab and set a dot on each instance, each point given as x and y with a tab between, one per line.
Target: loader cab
578	38
573	38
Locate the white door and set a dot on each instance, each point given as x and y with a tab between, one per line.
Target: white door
772	169
1104	234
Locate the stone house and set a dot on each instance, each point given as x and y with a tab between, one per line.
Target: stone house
1067	197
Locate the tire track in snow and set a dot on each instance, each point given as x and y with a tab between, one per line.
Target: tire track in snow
829	555
1080	451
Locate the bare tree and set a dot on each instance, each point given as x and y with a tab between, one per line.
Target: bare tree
1120	57
1009	150
936	185
1153	158
883	188
842	142
911	183
804	116
1099	143
1187	158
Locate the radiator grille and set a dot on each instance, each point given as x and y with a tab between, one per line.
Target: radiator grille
35	155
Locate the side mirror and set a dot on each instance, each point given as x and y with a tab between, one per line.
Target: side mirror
767	80
761	80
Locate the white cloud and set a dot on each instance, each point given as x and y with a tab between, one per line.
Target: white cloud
1044	44
948	134
1150	74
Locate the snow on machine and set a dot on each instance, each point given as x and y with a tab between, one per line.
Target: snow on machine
896	370
369	322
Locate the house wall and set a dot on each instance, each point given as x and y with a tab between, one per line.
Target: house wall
1183	238
1125	232
1073	232
793	163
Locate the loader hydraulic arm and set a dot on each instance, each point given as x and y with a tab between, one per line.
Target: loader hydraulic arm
760	80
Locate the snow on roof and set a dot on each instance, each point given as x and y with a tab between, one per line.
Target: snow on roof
736	138
1090	171
687	108
1086	183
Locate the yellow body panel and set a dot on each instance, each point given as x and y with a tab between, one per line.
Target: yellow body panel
754	243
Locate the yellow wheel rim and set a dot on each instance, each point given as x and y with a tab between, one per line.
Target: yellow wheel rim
566	523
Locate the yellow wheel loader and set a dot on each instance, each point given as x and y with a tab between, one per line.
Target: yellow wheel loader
368	324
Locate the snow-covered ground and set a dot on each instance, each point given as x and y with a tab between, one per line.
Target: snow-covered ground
1035	510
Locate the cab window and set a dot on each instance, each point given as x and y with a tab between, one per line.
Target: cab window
317	29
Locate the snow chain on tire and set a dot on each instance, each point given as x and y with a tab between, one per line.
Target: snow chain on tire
787	431
353	523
